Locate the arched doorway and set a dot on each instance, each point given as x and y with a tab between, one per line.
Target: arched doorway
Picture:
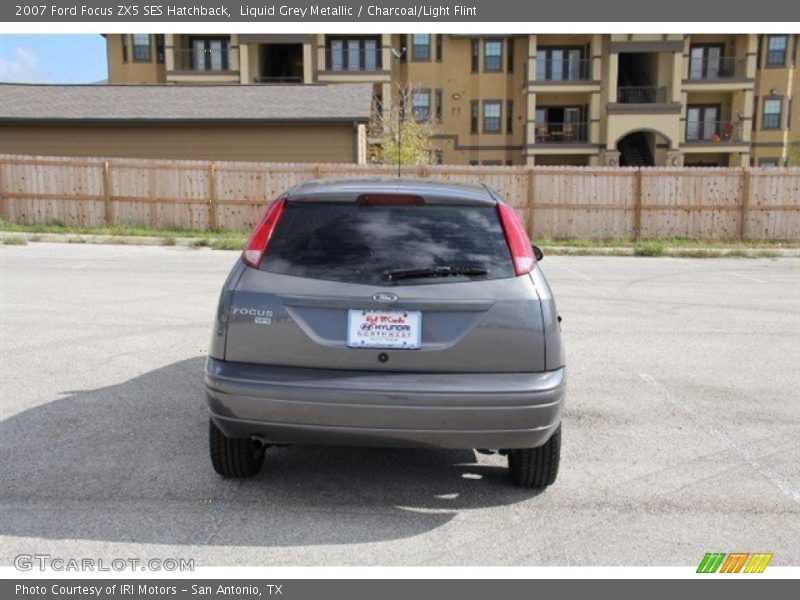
643	148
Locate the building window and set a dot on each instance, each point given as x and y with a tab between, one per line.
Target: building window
160	47
211	55
475	50
473	163
561	64
141	47
422	105
439	47
354	54
705	62
771	117
492	163
510	55
510	116
438	157
492	113
124	39
776	50
421	46
702	122
492	55
768	162
370	55
439	105
473	128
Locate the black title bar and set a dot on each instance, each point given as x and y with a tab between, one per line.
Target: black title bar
475	11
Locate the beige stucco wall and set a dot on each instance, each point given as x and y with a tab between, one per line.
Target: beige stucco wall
248	142
132	72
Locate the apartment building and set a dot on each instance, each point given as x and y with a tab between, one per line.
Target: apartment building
544	99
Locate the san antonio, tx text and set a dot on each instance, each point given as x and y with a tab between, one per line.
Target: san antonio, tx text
370	10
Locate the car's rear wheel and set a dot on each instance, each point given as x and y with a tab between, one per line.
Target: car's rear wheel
536	467
233	457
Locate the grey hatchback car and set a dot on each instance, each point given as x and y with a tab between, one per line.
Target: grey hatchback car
387	313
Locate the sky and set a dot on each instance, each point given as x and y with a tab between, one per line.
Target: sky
50	58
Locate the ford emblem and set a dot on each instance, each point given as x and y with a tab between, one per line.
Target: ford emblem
384	297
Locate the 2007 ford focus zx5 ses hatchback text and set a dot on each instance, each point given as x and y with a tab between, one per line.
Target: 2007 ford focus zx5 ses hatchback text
388	313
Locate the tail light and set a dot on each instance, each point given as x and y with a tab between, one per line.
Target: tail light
259	239
517	239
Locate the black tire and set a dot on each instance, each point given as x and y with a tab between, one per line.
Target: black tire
536	467
233	457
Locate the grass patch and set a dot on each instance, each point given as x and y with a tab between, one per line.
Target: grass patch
228	244
117	230
649	248
14	241
168	241
200	243
673	242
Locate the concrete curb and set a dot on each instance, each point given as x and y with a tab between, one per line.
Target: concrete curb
186	242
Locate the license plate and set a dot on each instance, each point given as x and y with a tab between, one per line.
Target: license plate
397	329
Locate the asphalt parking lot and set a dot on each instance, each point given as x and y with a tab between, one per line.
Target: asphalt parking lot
680	436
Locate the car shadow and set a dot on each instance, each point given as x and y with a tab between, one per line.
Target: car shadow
129	463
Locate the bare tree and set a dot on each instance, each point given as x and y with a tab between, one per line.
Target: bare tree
399	133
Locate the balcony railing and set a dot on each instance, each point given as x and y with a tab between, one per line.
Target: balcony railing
278	79
713	132
711	69
562	133
554	70
346	60
641	94
214	60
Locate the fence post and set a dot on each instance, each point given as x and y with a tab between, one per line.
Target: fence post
318	172
531	200
212	196
746	174
5	207
637	206
109	206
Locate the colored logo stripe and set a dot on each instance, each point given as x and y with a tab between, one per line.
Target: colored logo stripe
758	562
711	562
734	562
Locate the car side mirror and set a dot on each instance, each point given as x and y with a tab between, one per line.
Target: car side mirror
537	253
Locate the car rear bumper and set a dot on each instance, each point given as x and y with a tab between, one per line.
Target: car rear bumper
324	406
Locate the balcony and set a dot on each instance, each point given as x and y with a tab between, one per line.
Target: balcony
713	132
641	94
278	80
562	133
716	69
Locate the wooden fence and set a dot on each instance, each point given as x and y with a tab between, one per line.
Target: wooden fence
588	202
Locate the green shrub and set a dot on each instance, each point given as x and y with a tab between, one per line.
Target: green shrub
649	248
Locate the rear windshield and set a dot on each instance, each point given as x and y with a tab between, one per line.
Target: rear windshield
359	243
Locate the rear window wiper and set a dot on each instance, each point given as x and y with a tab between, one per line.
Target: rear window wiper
395	274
